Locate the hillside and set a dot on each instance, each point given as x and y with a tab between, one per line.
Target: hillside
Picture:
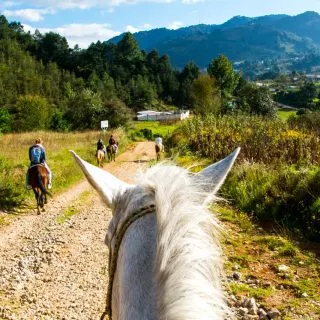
240	38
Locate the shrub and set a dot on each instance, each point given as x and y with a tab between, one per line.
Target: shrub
308	122
5	120
266	140
285	195
11	190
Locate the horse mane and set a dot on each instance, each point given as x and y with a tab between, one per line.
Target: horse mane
188	257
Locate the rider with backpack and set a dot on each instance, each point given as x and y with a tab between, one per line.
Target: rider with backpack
112	142
37	155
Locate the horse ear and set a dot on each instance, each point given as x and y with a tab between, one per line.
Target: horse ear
104	182
213	176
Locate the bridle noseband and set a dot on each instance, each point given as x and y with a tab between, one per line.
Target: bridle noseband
118	236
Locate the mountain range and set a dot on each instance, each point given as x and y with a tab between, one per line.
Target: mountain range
240	38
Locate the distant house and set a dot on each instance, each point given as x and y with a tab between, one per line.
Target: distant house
151	115
313	77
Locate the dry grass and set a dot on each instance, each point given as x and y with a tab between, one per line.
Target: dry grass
14	161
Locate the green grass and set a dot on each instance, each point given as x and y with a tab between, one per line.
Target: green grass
73	209
284	114
257	293
67	214
242	219
158	128
283	246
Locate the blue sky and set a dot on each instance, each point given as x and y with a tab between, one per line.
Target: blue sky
85	21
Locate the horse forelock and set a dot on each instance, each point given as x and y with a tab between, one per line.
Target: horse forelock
188	257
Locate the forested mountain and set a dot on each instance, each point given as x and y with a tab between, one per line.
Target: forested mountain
240	38
44	84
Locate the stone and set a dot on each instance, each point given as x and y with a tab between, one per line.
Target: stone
243	311
283	268
262	314
274	314
236	275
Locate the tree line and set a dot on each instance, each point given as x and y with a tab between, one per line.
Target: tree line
45	84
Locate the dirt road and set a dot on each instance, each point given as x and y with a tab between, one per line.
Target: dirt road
54	267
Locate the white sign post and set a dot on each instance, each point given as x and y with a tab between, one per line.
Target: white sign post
104	125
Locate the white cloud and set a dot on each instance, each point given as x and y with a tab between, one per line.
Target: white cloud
147	26
81	34
28	14
133	29
192	1
175	25
86	4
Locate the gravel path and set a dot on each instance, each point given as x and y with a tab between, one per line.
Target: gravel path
55	268
51	269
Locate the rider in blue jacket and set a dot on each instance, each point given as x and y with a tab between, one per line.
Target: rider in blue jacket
37	155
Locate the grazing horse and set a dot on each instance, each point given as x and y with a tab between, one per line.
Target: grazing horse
100	158
164	254
159	148
111	152
38	179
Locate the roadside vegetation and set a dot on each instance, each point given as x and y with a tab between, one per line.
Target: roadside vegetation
276	178
74	208
277	269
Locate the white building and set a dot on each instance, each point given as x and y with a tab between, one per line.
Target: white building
151	115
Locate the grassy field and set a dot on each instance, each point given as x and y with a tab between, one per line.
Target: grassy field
14	158
14	161
158	128
284	114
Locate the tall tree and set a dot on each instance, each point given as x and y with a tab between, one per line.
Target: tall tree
226	78
189	73
32	113
55	48
84	109
205	96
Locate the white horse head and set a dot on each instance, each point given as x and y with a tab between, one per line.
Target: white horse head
168	264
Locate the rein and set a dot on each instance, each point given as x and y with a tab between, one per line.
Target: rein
113	258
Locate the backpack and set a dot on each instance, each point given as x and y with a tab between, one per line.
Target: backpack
36	154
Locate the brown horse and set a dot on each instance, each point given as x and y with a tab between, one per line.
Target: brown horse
111	152
100	158
38	179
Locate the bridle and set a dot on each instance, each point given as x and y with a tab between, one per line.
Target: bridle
113	257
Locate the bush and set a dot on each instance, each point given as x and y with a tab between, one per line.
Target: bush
277	180
287	195
12	192
31	113
265	140
308	122
58	123
147	133
5	120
